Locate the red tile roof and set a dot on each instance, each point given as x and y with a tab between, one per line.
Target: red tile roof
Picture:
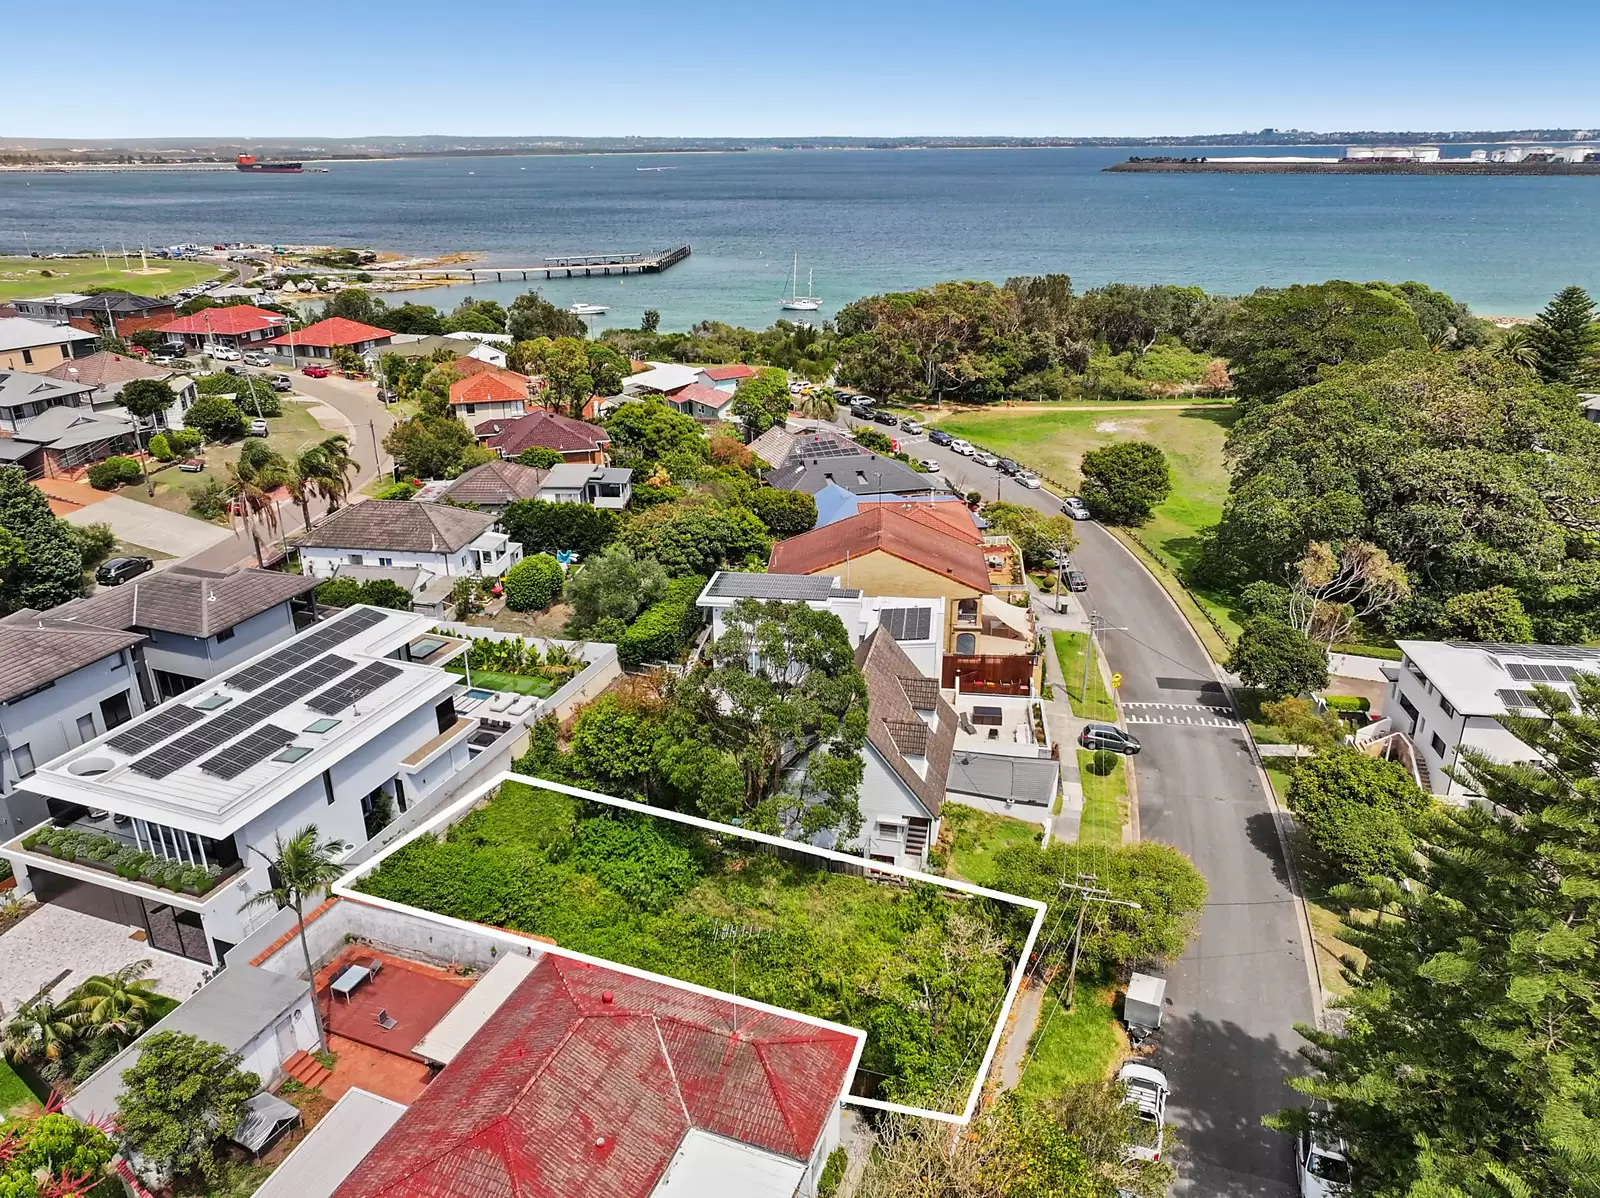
953	519
722	374
487	387
547	429
709	396
585	1082
336	330
230	321
878	526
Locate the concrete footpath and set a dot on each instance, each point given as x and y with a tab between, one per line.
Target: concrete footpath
1058	712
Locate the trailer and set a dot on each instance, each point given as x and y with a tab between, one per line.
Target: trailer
1141	1008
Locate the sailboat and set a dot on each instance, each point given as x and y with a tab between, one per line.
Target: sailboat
795	301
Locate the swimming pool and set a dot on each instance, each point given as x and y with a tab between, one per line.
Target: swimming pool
479	693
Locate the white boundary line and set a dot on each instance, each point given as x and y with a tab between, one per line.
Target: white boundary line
345	888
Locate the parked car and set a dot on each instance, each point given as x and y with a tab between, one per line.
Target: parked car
938	436
223	353
282	382
1077	581
1029	479
1147	1095
964	448
118	570
163	358
1075	508
236	371
914	427
888	418
862	411
386	396
984	458
1109	736
257	359
928	464
1324	1171
258	427
1008	467
315	372
192	465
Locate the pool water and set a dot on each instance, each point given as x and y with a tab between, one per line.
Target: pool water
479	693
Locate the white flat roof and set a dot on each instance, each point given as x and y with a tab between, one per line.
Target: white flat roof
164	766
472	1010
707	1165
335	1146
1473	676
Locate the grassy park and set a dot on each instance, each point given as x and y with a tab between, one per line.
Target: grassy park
25	278
288	434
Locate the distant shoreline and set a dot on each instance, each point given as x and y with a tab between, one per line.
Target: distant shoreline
1334	166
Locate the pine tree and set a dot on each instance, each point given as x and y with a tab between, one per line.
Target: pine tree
1566	340
1470	1059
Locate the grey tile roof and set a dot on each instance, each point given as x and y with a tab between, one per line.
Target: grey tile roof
67	427
890	675
401	525
186	600
858	473
497	484
730	584
36	649
17	387
993	776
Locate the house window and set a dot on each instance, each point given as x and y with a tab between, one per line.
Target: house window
225	635
356	559
27	357
386	561
966	644
888	831
115	710
22	758
1449	712
85	728
1438	745
445	714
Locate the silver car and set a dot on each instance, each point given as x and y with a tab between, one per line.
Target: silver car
1075	508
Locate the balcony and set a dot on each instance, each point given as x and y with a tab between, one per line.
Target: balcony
989	674
1004	562
1001	724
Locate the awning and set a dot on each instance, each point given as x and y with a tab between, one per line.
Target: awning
1013	617
265	1116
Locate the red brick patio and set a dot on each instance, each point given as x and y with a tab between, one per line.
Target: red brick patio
416	996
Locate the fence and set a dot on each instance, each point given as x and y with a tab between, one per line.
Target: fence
993	673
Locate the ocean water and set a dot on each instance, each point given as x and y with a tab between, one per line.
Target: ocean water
863	221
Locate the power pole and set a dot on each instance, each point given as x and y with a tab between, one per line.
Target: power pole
1088	892
1097	625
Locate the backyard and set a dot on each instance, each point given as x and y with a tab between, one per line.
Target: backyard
976	836
26	278
922	972
515	664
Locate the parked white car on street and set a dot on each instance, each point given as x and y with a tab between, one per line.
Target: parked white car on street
964	448
1147	1095
223	353
985	458
1030	480
1075	508
1324	1171
928	464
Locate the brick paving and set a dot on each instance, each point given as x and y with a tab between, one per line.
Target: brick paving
56	938
417	996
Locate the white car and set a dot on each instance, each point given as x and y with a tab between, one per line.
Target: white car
256	359
163	359
928	464
1075	508
985	458
1147	1095
223	354
1324	1171
964	448
1030	480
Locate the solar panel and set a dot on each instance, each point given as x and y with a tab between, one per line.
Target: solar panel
318	641
1544	652
154	729
363	682
1518	671
253	749
1515	698
907	623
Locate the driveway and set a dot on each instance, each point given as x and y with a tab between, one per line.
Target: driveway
1228	1040
153	527
55	937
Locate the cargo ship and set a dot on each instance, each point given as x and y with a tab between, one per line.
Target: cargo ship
247	162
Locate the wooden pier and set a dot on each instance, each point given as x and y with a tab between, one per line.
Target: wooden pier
556	266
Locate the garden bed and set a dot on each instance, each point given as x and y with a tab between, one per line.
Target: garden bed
924	970
99	851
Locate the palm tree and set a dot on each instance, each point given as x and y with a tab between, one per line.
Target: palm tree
303	866
118	1005
334	482
817	404
40	1033
1517	346
305	480
251	498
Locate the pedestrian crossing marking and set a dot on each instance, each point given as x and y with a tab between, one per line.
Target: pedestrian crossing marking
1209	708
1193	721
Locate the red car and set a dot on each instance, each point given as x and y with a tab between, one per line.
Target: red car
316	372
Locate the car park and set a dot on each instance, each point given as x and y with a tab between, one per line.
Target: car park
888	418
257	359
1075	508
1147	1092
258	427
223	353
192	465
1324	1171
928	464
984	458
938	436
315	372
118	570
1029	479
914	427
1108	736
1077	580
964	448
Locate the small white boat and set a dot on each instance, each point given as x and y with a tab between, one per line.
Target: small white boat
588	309
795	302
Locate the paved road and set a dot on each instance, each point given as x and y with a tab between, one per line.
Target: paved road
1228	1038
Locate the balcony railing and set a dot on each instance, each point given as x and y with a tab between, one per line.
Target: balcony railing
990	673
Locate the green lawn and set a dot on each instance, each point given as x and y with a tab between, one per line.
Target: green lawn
1054	442
14	1091
1072	1047
976	836
1095	704
520	683
1105	802
26	278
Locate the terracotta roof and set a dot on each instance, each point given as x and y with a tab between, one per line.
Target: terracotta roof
954	519
230	321
722	374
880	527
336	330
103	369
896	689
187	600
399	524
586	1081
485	387
709	396
497	484
548	429
36	649
466	367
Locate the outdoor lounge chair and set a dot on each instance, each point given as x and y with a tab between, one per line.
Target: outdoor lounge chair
386	1023
374	967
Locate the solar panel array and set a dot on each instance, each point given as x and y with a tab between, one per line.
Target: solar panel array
220	729
303	650
1543	652
1535	673
1513	698
360	684
257	747
907	623
157	728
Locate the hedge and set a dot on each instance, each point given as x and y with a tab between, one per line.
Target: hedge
533	583
1348	703
113	472
665	627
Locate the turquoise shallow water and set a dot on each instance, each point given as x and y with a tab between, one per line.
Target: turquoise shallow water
863	220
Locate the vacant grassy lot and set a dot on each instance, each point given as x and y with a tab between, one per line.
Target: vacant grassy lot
977	836
25	278
290	433
1105	802
1054	442
1072	1047
1095	703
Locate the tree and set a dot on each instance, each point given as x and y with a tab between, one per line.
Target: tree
697	536
1039	537
420	319
1284	339
117	1005
648	430
785	513
783	678
542	527
181	1097
540	458
41	1032
1516	346
613	585
336	465
1331	590
1494	615
41	565
1357	810
651	321
563	363
146	399
533	583
361	306
1303	725
301	867
215	418
531	317
1273	657
476	316
816	403
761	402
951	341
249	486
429	446
1566	340
1471	1040
1123	481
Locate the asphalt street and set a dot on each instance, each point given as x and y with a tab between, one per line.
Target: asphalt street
1227	1040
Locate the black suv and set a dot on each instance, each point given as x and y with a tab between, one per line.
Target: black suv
1007	466
1108	736
888	418
118	570
939	437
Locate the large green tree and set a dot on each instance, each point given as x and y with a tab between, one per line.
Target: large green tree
181	1097
761	402
613	585
646	430
1273	657
1470	1048
1566	340
41	563
541	527
1356	810
1124	481
697	536
531	317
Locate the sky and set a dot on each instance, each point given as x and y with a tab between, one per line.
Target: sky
349	68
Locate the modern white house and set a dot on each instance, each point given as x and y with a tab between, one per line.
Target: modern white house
349	725
441	540
1445	696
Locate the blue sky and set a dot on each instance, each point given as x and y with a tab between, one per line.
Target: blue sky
1030	67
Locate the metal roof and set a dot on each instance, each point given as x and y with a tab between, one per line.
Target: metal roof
334	1147
18	332
996	776
731	584
463	1021
264	1114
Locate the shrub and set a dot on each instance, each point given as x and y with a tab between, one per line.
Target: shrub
540	458
215	418
209	500
113	473
1102	763
533	583
1265	599
1348	703
400	490
833	1171
785	513
665	627
161	448
1357	810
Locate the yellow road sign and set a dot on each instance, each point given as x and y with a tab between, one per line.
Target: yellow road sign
1116	681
